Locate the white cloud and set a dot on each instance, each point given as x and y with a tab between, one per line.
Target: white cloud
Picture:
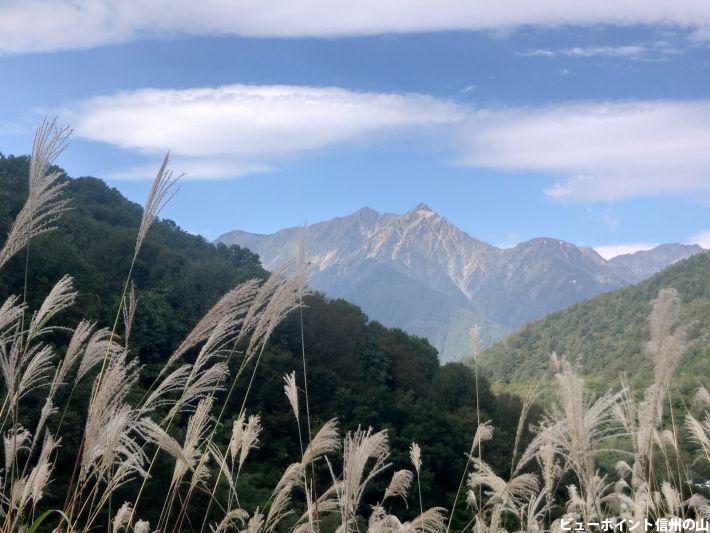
607	252
702	239
245	127
602	151
647	52
46	25
193	169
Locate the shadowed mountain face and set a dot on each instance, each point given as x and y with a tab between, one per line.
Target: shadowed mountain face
421	273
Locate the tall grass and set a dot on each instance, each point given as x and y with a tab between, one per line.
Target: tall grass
556	478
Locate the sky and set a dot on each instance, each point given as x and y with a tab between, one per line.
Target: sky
588	123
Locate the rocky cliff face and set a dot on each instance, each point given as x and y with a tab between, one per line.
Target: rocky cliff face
421	273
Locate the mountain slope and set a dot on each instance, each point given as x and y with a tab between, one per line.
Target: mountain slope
421	273
606	334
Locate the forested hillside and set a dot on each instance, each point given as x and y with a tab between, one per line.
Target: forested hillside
361	372
606	335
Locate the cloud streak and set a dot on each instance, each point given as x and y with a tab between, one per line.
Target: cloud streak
595	151
48	25
601	151
656	51
245	127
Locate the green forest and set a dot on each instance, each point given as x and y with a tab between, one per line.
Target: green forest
606	335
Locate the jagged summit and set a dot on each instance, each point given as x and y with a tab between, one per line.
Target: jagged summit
420	272
422	207
366	211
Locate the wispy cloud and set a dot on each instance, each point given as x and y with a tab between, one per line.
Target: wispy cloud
613	250
230	130
655	51
601	151
48	25
193	169
597	152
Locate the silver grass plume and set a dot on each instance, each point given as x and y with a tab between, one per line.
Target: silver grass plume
666	347
522	419
588	505
282	295
430	521
223	465
509	495
59	298
152	432
671	498
203	386
40	475
110	439
245	437
13	441
484	432
702	397
415	456
10	314
129	314
700	432
235	516
324	442
44	203
48	409
700	505
195	435
399	484
35	373
281	496
122	518
174	382
291	391
141	526
359	448
96	348
256	522
161	192
76	348
235	441
577	427
231	307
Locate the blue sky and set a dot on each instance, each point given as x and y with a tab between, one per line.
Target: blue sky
590	126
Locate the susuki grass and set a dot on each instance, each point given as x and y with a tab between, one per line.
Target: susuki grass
556	477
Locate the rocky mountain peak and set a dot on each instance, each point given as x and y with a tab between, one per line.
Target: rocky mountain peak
420	272
423	209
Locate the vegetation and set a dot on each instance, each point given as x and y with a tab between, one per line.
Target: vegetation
113	415
606	335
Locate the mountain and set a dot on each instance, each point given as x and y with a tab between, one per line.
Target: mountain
606	334
421	273
647	262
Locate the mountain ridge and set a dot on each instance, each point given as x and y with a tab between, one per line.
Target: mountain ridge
420	272
605	335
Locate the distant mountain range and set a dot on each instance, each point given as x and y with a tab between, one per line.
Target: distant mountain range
421	273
